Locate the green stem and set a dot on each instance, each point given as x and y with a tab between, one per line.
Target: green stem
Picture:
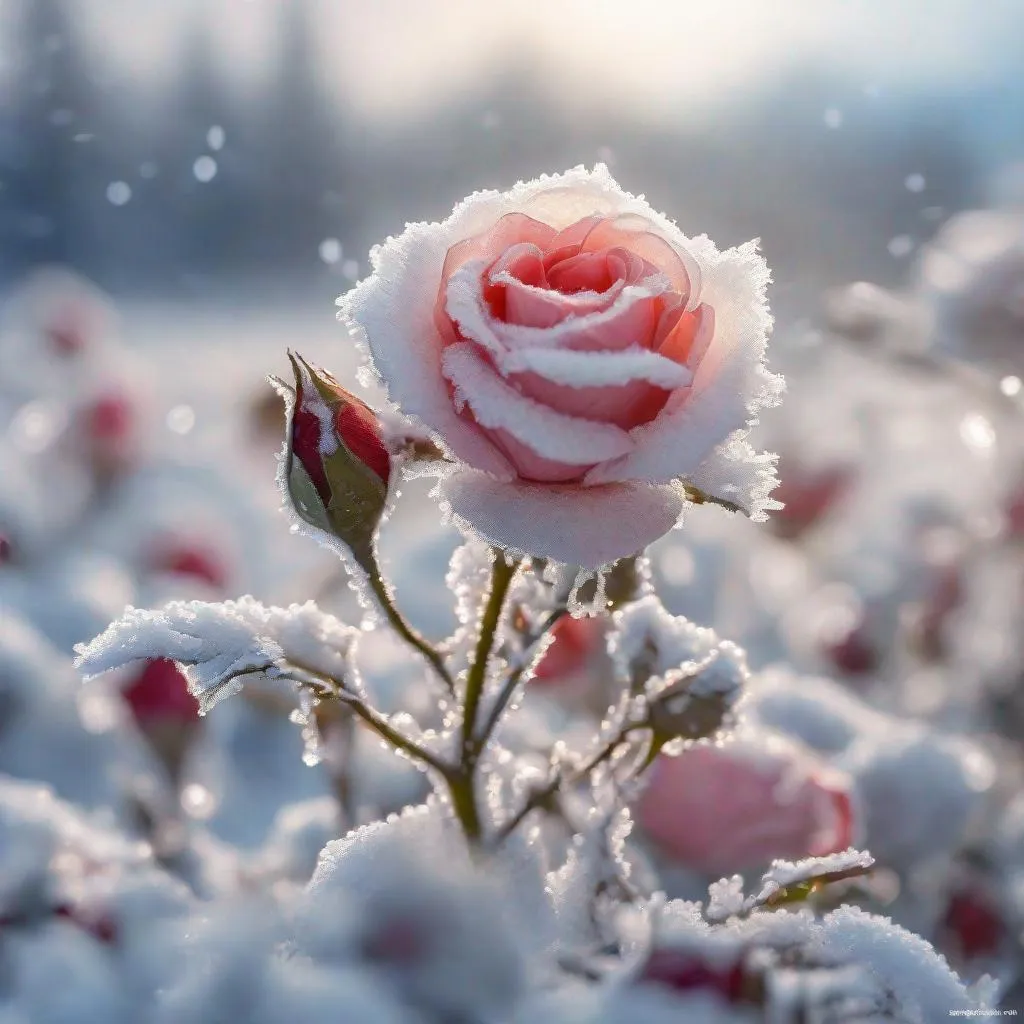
460	781
501	702
368	560
329	686
542	796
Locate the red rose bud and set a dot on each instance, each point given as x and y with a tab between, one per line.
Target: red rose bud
338	465
807	498
165	712
109	428
160	693
182	559
681	971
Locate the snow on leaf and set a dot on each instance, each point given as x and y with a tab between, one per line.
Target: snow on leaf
216	643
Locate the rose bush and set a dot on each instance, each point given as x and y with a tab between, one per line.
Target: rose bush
578	359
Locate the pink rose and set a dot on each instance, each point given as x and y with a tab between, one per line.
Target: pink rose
723	809
576	357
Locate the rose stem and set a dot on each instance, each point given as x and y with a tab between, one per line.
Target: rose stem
368	560
461	782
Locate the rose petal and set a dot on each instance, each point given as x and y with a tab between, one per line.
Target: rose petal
549	434
589	527
532	306
635	235
406	351
689	337
624	388
730	383
629	321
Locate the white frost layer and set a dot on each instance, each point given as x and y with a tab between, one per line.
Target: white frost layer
218	642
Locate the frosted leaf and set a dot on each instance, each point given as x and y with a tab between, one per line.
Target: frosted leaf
647	641
786	876
216	643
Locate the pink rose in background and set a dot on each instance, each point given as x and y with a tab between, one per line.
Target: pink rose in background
577	357
720	810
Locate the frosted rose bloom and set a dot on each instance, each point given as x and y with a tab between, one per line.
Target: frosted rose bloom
724	809
577	358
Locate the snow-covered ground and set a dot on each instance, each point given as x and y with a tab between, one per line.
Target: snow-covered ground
158	866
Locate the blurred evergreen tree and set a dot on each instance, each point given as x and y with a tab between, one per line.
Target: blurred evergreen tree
298	132
46	137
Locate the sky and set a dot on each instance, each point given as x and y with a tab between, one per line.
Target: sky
651	58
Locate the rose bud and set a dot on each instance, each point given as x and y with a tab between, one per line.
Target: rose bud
682	971
723	809
110	435
164	710
574	642
190	560
338	466
807	498
972	924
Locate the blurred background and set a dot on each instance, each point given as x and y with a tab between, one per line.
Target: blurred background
252	150
186	187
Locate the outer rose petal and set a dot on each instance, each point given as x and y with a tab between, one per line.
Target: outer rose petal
589	526
392	312
730	383
731	808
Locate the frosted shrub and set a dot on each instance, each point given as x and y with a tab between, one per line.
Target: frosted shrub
578	375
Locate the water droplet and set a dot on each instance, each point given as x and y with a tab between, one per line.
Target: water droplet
1010	386
977	432
350	268
118	193
181	419
330	250
900	246
833	118
148	170
915	182
197	801
205	169
215	137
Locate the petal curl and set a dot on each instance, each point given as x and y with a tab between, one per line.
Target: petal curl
730	383
550	434
589	526
391	314
631	319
